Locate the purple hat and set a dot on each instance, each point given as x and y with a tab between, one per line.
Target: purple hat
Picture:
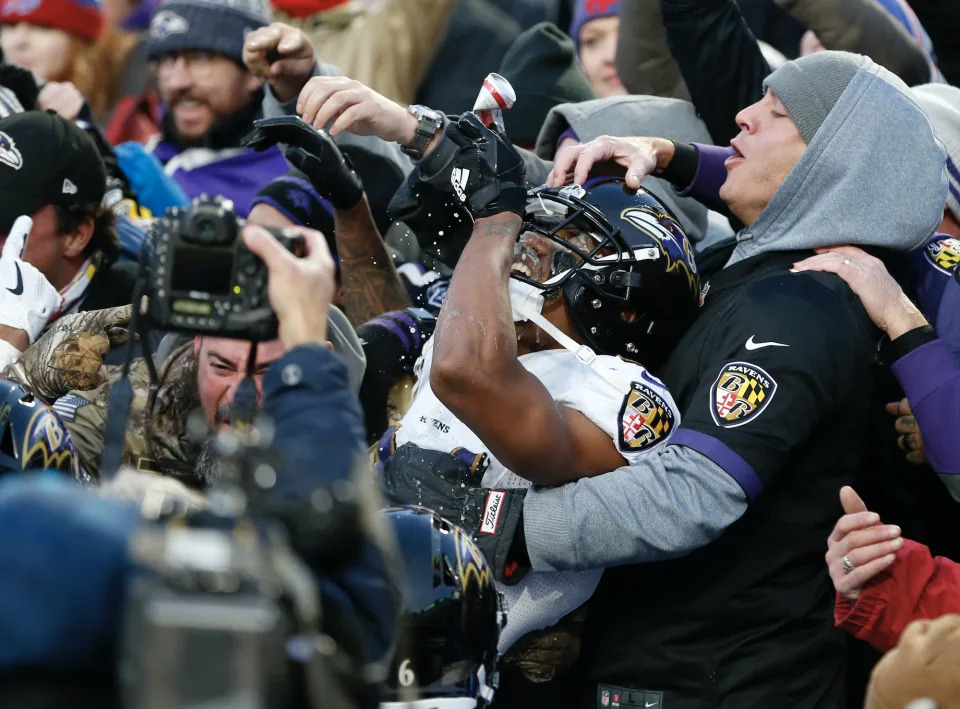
586	10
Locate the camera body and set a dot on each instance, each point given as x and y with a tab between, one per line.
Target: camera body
203	278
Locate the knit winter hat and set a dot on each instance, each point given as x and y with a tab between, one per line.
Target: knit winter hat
922	665
586	10
942	104
80	18
542	67
809	87
218	26
293	196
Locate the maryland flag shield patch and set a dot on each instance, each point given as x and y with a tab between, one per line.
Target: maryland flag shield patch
740	394
943	254
645	419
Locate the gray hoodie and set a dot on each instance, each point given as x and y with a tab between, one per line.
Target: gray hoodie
874	174
634	115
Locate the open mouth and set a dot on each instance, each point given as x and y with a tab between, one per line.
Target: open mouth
527	261
735	158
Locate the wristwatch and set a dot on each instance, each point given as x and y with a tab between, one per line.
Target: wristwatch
428	123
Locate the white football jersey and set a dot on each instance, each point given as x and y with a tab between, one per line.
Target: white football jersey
638	423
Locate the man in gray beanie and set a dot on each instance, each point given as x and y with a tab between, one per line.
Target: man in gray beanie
715	592
211	99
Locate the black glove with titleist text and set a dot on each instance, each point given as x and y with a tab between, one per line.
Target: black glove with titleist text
488	173
445	484
312	152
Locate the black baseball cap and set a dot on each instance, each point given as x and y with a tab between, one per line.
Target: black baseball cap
46	159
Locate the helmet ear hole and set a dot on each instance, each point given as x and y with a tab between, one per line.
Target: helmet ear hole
629	315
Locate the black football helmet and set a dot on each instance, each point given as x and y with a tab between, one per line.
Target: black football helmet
32	436
632	287
446	655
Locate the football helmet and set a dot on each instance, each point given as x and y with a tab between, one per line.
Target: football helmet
623	262
451	619
32	436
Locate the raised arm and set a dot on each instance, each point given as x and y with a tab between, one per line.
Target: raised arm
864	27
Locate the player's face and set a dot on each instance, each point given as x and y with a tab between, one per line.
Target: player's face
541	259
221	366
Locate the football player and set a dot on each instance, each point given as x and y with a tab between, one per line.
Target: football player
533	375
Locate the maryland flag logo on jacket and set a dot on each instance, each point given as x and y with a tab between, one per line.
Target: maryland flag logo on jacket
740	394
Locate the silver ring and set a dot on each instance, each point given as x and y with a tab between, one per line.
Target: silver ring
846	262
847	565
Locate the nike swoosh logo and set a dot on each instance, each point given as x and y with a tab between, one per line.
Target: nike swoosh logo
751	345
650	705
19	289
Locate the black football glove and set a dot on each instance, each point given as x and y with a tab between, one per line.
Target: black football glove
312	152
488	174
446	485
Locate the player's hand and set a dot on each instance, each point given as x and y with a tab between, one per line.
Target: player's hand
314	153
441	482
910	438
281	56
488	173
638	156
883	299
27	300
354	108
62	97
858	536
300	289
69	356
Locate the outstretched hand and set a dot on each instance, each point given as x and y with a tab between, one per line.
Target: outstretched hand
314	153
859	539
639	157
354	108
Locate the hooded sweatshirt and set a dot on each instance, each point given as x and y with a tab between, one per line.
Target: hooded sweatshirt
634	115
845	191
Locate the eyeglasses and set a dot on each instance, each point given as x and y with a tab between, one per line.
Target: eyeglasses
198	64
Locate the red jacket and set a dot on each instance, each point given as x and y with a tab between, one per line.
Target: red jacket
915	586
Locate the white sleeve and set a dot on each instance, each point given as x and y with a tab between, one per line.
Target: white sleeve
637	422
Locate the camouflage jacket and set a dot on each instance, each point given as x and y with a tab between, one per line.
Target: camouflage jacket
65	368
155	438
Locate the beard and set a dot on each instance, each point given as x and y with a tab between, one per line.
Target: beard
209	467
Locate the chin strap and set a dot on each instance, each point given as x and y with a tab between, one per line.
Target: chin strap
527	302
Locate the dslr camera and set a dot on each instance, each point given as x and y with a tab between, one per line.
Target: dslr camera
202	277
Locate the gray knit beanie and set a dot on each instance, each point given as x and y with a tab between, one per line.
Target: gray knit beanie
809	87
218	26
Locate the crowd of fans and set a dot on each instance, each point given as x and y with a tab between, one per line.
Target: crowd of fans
597	324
